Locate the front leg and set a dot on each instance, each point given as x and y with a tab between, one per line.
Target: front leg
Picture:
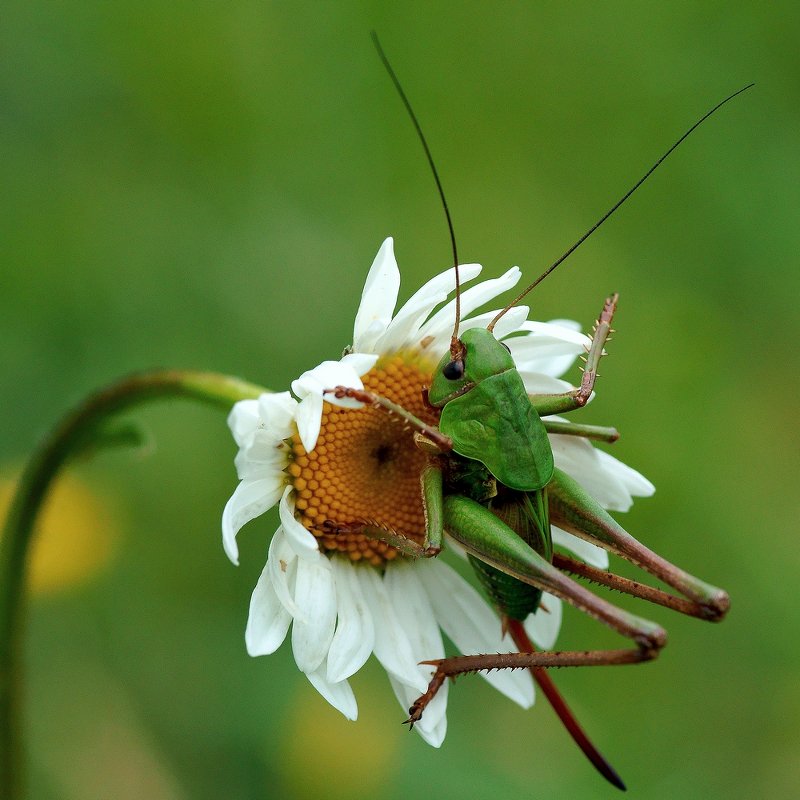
546	404
443	443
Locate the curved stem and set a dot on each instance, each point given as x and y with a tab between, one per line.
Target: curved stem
74	433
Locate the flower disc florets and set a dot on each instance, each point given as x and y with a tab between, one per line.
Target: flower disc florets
365	468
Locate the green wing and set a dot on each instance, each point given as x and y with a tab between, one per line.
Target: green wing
494	423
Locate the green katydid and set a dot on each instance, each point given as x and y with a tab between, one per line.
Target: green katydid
491	485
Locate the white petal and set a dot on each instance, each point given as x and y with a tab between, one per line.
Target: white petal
455	547
581	461
301	540
244	420
282	568
403	331
361	363
443	282
473	627
327	375
250	499
337	693
549	364
433	725
392	647
545	352
539	383
277	411
586	551
355	633
544	625
378	299
315	594
565	330
510	322
415	615
268	621
262	458
309	420
442	321
632	480
570	324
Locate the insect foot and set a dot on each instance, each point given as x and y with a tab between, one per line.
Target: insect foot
421	703
651	642
717	606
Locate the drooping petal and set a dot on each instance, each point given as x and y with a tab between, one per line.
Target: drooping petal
263	457
244	420
355	633
392	647
250	499
337	693
544	625
282	568
378	299
472	626
315	594
268	620
590	553
301	540
415	615
309	420
277	412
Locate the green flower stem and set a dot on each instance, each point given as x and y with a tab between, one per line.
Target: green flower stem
79	430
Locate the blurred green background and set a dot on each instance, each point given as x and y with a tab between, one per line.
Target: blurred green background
205	185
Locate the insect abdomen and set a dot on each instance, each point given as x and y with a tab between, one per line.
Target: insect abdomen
511	597
527	514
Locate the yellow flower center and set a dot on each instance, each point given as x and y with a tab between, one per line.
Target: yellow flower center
365	469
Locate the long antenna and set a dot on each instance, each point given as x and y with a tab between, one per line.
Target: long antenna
616	205
454	344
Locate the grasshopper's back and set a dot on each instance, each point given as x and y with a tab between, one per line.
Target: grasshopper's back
487	414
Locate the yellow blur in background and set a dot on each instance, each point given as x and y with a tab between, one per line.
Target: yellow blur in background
76	538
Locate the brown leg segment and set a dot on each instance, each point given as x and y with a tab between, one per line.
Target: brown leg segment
633	588
462	665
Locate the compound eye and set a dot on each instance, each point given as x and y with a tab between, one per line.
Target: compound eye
454	370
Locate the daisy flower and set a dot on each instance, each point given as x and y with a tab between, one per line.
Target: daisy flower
346	596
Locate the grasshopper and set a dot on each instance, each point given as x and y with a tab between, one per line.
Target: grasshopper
491	485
